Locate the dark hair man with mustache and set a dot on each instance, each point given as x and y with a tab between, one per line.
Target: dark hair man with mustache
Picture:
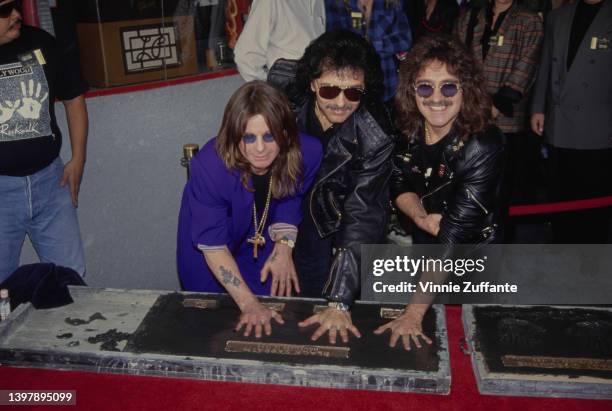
38	193
339	86
449	163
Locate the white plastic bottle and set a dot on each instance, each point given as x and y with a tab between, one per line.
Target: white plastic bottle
5	304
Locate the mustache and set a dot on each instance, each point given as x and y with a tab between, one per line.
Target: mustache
18	21
346	107
441	103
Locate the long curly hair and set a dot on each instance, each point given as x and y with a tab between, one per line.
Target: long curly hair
251	99
475	113
340	49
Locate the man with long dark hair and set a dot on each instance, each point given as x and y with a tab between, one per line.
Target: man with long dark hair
338	99
448	172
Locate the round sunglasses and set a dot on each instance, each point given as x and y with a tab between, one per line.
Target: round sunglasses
250	138
448	89
7	9
353	94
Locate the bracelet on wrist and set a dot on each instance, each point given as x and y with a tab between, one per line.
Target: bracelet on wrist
287	241
339	306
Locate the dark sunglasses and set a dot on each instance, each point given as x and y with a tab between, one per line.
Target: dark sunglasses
251	138
426	90
331	92
7	9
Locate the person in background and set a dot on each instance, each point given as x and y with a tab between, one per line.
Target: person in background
38	193
383	23
571	106
241	205
277	29
506	38
432	16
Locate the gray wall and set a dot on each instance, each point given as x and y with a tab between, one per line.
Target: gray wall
130	195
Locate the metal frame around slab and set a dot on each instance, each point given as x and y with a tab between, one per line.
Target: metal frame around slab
219	369
495	383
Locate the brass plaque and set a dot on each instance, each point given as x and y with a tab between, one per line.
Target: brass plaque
199	303
278	307
523	361
390	313
287	349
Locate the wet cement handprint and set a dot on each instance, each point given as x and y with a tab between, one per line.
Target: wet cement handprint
31	103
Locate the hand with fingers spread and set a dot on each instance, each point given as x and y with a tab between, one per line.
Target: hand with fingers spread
280	266
333	320
256	316
407	326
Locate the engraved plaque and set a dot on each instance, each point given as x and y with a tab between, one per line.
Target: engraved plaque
278	307
287	349
199	303
391	313
557	363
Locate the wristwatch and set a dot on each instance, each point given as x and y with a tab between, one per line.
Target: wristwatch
288	242
339	306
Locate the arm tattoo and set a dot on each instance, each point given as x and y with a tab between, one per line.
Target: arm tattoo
229	277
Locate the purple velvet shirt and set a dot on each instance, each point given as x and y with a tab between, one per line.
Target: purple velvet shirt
217	210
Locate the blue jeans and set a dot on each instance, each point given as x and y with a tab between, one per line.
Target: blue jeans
36	205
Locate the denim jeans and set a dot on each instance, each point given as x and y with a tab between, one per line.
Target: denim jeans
36	205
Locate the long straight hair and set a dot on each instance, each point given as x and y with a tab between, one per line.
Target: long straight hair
259	98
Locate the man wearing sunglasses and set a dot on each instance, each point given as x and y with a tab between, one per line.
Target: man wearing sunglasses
449	161
38	192
340	86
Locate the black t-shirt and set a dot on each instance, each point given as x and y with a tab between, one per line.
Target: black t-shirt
432	160
33	73
314	128
585	14
261	184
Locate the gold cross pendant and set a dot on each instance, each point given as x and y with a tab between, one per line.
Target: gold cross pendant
257	240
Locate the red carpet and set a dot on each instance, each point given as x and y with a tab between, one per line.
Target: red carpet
119	392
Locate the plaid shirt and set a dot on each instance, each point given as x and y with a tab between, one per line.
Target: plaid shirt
388	31
511	63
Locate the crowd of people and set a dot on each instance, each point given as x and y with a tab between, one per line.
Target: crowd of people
351	108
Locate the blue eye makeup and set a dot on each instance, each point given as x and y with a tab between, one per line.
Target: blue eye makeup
250	138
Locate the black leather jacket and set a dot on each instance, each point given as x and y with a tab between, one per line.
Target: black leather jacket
350	196
467	190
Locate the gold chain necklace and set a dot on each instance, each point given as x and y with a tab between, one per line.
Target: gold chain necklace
258	239
427	135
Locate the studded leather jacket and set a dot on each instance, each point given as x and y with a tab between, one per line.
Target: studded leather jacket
350	196
467	188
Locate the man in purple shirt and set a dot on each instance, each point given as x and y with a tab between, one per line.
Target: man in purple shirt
242	204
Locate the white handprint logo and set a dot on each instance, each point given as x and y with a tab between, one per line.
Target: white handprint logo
6	113
31	101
